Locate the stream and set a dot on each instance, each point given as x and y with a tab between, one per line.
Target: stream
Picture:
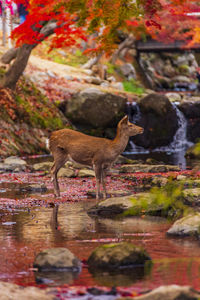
26	231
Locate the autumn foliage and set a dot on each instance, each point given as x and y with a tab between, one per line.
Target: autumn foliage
76	19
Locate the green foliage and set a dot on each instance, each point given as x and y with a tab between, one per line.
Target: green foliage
133	87
110	68
65	57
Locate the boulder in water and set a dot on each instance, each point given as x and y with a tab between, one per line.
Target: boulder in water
159	120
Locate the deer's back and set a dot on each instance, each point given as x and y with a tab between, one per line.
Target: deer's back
80	147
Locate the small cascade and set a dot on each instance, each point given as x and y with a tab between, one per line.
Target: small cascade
176	148
180	141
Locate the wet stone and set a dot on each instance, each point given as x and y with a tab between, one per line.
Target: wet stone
14	160
14	291
34	188
129	168
86	173
56	259
44	166
112	256
111	206
188	225
12	168
192	195
170	292
135	205
66	172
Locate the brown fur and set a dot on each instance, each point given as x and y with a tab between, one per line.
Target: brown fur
97	152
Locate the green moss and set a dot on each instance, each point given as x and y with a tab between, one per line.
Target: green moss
110	68
106	246
133	87
197	149
166	201
183	69
35	109
73	59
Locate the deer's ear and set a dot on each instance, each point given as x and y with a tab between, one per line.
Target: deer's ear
124	120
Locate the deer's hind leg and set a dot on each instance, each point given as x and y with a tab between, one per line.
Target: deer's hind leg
98	175
60	159
103	179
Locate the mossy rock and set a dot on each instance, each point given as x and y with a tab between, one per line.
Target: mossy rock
192	196
114	256
194	151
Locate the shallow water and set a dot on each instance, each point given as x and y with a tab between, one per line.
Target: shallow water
26	231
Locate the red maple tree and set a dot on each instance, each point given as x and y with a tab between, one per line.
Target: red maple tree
69	21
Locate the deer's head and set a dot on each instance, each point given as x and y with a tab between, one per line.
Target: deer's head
130	128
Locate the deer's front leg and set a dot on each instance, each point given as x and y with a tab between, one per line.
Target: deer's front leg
98	171
58	163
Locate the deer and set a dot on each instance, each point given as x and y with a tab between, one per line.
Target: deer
96	152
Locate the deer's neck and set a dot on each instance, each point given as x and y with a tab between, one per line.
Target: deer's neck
120	141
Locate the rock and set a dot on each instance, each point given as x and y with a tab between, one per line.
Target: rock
125	160
114	256
130	168
127	70
152	161
169	70
192	196
14	291
69	77
66	172
188	225
56	259
181	177
14	160
181	79
117	86
169	292
95	108
86	173
193	152
159	181
13	164
156	112
173	97
112	206
111	79
88	72
8	168
191	111
93	80
134	205
44	166
51	74
75	165
104	84
35	188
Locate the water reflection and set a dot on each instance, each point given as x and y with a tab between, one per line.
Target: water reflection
55	278
25	232
122	277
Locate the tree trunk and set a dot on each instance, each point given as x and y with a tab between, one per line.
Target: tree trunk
21	56
17	68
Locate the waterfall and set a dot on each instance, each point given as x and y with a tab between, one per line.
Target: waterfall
179	143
